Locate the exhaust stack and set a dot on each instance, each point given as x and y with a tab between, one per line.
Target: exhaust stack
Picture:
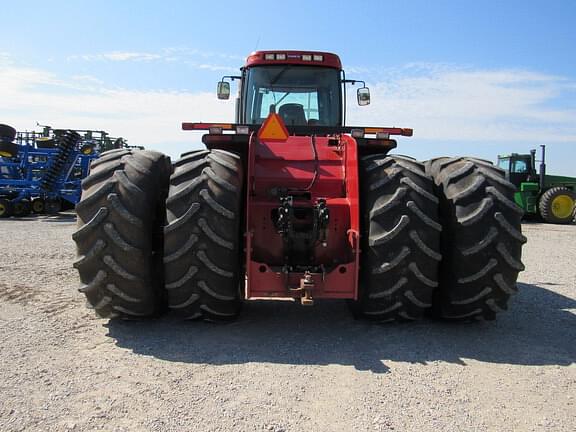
542	166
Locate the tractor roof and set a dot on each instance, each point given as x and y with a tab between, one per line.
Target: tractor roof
514	155
312	58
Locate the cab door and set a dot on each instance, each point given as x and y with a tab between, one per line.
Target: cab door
519	170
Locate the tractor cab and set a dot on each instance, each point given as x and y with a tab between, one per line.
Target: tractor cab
520	168
300	95
304	89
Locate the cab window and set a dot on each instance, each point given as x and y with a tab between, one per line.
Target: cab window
520	167
504	163
301	95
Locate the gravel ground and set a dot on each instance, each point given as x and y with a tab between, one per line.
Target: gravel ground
282	367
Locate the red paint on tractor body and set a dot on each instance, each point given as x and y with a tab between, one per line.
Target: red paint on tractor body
258	58
277	167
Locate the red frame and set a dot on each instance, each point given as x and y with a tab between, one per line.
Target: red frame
290	164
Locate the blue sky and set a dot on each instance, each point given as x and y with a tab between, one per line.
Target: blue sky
474	78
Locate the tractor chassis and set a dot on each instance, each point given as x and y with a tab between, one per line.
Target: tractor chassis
302	218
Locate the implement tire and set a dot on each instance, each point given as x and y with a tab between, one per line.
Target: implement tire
52	206
119	238
45	142
38	206
481	240
556	205
400	239
8	149
202	241
7	133
5	208
21	208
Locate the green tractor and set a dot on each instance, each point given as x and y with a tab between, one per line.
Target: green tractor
551	197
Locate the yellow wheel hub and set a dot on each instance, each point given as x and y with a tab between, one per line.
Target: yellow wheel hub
562	206
2	209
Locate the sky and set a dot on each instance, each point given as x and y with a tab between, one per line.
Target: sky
477	78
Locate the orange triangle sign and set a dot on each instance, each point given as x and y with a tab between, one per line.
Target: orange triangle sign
273	129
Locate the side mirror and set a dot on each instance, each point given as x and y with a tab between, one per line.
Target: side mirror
223	90
363	95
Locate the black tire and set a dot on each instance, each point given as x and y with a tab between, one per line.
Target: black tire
45	142
7	133
183	155
53	206
8	149
67	205
400	239
38	206
556	205
5	208
203	253
119	238
21	208
481	240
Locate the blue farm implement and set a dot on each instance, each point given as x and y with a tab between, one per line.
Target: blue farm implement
41	172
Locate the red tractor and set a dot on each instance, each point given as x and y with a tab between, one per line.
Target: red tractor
288	202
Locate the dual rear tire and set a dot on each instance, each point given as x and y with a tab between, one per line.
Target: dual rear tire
441	237
119	237
203	236
147	239
400	239
481	241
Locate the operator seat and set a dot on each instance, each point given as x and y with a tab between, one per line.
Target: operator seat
293	114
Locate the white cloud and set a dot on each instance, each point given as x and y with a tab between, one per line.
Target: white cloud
149	118
87	79
5	58
441	103
191	57
467	105
192	52
215	68
123	56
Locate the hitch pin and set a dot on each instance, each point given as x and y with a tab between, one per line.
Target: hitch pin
307	285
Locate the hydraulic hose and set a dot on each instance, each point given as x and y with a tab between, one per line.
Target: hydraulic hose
316	163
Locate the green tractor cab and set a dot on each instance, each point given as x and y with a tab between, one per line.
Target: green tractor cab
551	197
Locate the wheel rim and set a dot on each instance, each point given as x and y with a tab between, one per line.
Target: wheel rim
562	206
2	209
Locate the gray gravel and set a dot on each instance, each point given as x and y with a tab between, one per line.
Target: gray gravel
282	367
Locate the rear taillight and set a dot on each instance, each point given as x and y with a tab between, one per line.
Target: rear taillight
242	130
